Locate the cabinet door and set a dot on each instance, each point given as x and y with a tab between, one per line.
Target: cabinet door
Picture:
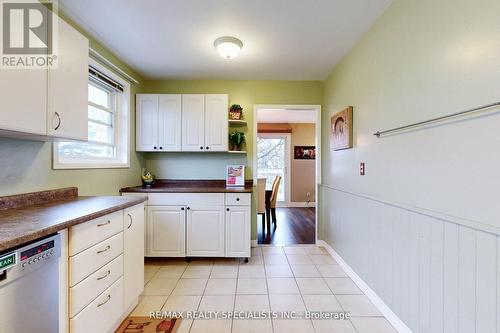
133	248
205	231
193	122
23	93
146	122
166	231
170	123
216	122
68	86
238	231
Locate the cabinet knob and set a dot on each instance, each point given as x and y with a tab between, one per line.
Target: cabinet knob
161	147
201	147
182	208
208	148
188	208
237	199
227	209
154	147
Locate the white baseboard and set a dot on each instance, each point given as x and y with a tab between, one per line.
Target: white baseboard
397	323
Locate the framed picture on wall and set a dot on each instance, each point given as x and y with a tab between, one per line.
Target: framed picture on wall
304	152
341	129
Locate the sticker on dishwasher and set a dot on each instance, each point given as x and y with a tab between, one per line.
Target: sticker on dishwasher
7	261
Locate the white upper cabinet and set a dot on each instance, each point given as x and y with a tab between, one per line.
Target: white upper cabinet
169	122
23	93
147	122
159	121
193	122
216	124
50	102
67	115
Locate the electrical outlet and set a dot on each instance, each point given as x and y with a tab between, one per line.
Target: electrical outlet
362	168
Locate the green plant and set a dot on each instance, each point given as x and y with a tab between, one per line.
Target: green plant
235	107
237	138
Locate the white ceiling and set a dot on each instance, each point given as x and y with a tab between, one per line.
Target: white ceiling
283	39
286	116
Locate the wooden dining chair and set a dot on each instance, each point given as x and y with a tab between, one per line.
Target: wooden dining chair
271	196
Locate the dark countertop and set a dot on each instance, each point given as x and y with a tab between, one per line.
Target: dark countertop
23	224
189	186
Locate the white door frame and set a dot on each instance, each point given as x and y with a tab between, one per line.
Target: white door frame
288	169
317	109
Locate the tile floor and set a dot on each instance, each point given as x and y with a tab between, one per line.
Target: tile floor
290	278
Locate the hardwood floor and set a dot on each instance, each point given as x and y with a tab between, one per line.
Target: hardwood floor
293	226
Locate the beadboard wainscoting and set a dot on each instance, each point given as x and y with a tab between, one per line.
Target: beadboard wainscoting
434	274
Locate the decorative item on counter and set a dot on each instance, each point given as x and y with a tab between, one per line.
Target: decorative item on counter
236	139
341	129
148	179
235	112
235	176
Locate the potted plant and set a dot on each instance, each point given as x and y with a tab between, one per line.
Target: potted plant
235	112
237	139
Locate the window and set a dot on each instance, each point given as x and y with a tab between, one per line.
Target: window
108	126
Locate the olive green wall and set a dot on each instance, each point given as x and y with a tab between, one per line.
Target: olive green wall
27	165
245	93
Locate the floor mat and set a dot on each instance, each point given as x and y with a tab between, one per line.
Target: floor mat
148	325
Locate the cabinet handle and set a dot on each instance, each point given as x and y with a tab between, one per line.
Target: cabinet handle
103	224
106	301
58	121
106	249
130	217
104	276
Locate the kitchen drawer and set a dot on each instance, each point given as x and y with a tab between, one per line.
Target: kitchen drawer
238	199
185	199
103	314
85	235
87	290
87	262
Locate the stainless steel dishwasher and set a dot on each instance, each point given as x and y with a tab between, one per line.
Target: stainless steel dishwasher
29	287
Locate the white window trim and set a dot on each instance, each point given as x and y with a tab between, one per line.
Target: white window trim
122	134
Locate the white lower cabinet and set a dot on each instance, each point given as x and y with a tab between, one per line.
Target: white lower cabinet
205	231
133	252
198	225
166	231
237	231
106	270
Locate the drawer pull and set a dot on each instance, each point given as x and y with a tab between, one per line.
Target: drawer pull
106	249
106	301
104	276
103	224
130	217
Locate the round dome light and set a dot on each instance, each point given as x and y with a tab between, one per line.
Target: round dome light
228	47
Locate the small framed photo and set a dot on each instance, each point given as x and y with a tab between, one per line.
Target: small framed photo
304	152
341	129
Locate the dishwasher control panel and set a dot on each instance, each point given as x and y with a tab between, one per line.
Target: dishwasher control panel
36	253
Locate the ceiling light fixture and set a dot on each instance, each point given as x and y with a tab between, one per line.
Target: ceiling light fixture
228	47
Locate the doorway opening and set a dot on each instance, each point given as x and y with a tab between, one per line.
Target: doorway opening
287	163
